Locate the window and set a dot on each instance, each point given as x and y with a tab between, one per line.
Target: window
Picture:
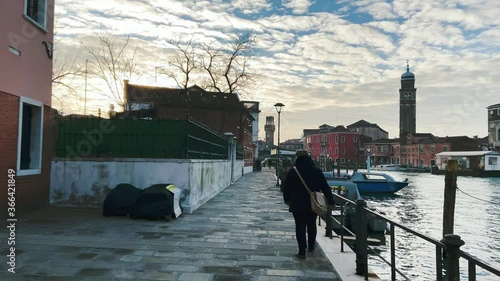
30	133
492	161
336	150
379	149
141	105
355	139
317	139
330	138
355	151
330	150
385	148
445	148
336	138
342	139
433	149
342	150
36	11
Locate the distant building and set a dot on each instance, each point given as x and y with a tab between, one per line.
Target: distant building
407	105
26	141
419	151
292	145
371	130
269	130
333	144
494	126
221	112
253	108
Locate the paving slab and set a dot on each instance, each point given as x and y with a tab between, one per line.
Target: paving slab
244	233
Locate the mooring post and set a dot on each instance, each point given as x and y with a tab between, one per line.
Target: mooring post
450	193
338	167
361	239
451	262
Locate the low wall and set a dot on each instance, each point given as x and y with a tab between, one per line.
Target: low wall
88	182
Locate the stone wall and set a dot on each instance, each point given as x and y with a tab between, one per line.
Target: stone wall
88	181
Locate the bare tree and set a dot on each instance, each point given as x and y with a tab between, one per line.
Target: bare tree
111	62
182	63
65	70
227	65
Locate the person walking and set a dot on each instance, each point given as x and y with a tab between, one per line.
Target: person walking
296	197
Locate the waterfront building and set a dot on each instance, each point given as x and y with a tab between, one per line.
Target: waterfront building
26	99
333	144
292	145
368	129
494	127
221	112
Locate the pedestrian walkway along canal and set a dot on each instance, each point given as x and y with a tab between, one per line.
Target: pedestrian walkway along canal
245	233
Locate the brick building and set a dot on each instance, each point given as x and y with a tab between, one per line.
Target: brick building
221	112
26	96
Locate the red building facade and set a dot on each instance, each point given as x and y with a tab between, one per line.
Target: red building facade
330	146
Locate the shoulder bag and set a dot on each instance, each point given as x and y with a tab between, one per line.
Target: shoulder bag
318	200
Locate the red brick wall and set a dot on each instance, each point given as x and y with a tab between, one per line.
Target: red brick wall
32	192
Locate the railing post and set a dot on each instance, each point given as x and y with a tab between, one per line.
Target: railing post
361	239
451	264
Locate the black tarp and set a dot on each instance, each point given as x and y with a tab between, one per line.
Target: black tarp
120	200
154	202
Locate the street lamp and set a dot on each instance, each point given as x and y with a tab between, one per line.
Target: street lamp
278	107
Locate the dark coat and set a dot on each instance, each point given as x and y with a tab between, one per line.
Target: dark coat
294	192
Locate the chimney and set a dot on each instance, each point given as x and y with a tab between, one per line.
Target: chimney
125	94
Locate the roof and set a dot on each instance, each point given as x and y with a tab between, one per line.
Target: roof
467	153
193	97
364	124
494	106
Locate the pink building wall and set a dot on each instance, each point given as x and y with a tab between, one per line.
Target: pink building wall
29	74
25	81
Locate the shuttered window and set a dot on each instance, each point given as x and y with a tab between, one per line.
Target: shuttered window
36	11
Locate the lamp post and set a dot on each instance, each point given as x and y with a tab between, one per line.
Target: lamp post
278	107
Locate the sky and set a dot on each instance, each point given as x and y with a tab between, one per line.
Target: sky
329	62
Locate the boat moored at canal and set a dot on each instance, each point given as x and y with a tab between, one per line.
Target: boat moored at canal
470	163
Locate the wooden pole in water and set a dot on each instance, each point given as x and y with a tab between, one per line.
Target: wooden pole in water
450	193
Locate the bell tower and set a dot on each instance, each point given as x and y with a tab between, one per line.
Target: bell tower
407	105
269	129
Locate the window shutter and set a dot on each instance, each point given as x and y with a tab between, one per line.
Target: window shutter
32	9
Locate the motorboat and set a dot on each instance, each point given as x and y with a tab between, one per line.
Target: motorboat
372	182
387	167
350	191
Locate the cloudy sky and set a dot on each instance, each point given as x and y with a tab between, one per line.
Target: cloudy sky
329	62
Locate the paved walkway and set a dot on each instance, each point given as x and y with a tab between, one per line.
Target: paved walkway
243	234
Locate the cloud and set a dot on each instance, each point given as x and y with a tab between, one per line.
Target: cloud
297	6
333	66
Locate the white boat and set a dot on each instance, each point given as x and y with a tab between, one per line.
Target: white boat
387	167
469	163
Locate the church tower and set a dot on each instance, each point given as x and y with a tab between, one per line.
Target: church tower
269	129
407	105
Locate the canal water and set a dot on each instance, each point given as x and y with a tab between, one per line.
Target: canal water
420	207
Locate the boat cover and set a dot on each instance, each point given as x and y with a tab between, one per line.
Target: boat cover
120	200
154	202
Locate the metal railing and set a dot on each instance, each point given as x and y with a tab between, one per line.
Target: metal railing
447	252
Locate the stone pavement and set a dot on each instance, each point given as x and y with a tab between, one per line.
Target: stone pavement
243	234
